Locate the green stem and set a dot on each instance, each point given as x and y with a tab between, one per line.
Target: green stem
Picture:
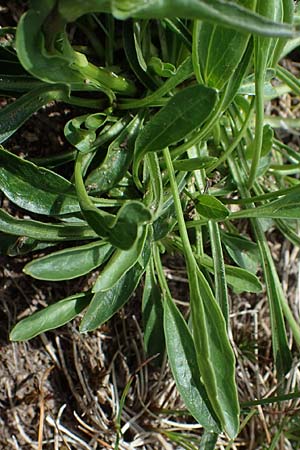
177	204
236	140
259	126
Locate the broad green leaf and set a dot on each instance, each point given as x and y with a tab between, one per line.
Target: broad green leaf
15	114
220	50
243	251
35	188
44	231
241	280
210	207
69	263
215	11
120	263
105	304
194	163
183	363
51	317
214	353
117	160
152	310
183	113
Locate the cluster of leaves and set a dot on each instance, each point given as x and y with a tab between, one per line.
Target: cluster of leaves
174	94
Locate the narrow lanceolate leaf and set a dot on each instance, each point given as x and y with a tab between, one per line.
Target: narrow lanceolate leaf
152	309
105	304
69	263
241	280
210	207
183	113
117	159
44	231
214	353
242	251
183	362
194	163
16	113
215	11
34	188
281	351
53	316
287	207
120	263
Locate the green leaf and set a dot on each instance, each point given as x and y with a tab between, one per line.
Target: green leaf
220	278
208	441
117	160
183	363
242	251
69	263
120	263
44	231
286	207
281	351
241	280
194	163
183	113
215	11
161	68
152	310
220	50
124	229
210	207
53	316
34	188
81	131
15	114
105	304
214	353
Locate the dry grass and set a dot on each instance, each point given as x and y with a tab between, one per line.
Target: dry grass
64	390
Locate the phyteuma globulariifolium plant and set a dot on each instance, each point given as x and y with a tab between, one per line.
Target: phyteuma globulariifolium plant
172	95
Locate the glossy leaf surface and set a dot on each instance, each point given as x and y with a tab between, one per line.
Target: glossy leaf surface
16	113
34	188
184	112
224	13
105	304
117	160
210	207
120	263
183	362
69	263
44	231
51	317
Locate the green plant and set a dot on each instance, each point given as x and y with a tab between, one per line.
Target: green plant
172	103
